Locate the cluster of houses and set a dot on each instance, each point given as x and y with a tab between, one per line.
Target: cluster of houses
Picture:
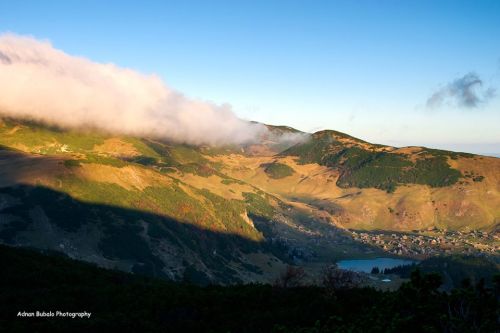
421	244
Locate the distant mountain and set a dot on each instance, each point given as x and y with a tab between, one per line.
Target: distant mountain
236	213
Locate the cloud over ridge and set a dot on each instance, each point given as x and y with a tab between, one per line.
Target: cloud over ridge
42	83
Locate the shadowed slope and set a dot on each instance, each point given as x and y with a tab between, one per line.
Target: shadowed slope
127	239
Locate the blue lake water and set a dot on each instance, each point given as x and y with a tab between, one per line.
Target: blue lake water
366	265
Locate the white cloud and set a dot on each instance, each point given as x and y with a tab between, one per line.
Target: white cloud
42	83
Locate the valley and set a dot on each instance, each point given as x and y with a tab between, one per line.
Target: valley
240	213
250	166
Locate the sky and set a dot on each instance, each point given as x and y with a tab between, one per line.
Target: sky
392	72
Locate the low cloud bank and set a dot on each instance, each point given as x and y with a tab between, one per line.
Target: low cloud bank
41	83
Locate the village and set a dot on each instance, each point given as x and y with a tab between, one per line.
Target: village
422	244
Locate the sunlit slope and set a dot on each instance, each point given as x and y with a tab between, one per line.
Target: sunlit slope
228	214
79	164
166	209
357	184
364	186
168	200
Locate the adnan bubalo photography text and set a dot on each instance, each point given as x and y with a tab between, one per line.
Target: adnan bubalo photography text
54	314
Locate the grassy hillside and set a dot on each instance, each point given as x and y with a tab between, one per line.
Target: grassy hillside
358	185
121	202
142	205
232	214
364	165
131	239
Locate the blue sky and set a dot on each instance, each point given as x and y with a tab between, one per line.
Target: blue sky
366	68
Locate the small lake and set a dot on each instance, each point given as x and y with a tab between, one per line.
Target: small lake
366	265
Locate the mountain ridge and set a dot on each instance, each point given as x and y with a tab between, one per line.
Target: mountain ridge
292	203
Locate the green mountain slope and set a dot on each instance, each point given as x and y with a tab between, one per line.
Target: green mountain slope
234	214
364	165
